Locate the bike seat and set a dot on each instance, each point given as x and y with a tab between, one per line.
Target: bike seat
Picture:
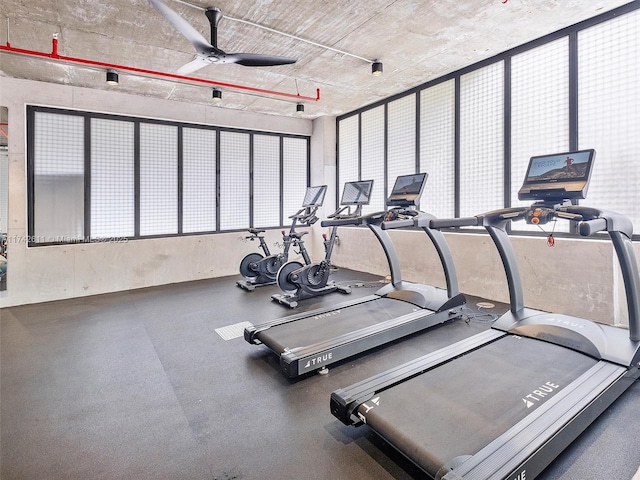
297	235
256	231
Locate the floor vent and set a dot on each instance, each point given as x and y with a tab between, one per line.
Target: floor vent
233	331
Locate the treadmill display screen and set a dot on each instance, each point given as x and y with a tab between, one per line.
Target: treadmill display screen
357	193
407	190
314	196
559	176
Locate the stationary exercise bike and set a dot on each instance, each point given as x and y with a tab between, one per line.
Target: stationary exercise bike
259	270
298	281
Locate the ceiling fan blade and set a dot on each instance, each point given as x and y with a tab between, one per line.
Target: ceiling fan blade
258	60
201	45
196	64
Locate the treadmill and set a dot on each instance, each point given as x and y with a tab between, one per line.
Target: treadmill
504	403
310	341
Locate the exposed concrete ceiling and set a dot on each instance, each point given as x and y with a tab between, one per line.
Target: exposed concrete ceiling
417	41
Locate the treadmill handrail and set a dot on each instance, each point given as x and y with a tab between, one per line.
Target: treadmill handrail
494	217
501	240
438	223
400	218
446	258
630	278
495	222
590	227
389	252
502	216
400	223
615	222
618	226
338	222
423	220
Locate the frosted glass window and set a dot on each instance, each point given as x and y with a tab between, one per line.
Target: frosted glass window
437	148
294	175
234	180
266	181
348	152
373	157
59	177
186	191
539	113
198	180
158	179
609	112
401	146
112	178
481	140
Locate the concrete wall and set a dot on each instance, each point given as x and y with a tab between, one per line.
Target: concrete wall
576	277
39	274
323	161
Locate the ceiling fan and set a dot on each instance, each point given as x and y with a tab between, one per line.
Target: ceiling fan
208	53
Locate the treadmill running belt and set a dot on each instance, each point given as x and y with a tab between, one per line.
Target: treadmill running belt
315	329
459	407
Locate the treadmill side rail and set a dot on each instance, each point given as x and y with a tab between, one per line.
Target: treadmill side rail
346	400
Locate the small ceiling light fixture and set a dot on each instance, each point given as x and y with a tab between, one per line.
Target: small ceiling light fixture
300	108
112	77
217	94
376	68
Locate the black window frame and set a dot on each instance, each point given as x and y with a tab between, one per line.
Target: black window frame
31	111
571	32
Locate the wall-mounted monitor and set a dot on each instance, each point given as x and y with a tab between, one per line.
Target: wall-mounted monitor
407	190
357	193
314	196
556	177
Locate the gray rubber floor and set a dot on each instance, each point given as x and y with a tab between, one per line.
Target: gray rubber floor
140	385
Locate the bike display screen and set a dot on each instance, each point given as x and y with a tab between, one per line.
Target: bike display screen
357	193
314	196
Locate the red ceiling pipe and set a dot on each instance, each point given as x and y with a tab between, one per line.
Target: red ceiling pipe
55	56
